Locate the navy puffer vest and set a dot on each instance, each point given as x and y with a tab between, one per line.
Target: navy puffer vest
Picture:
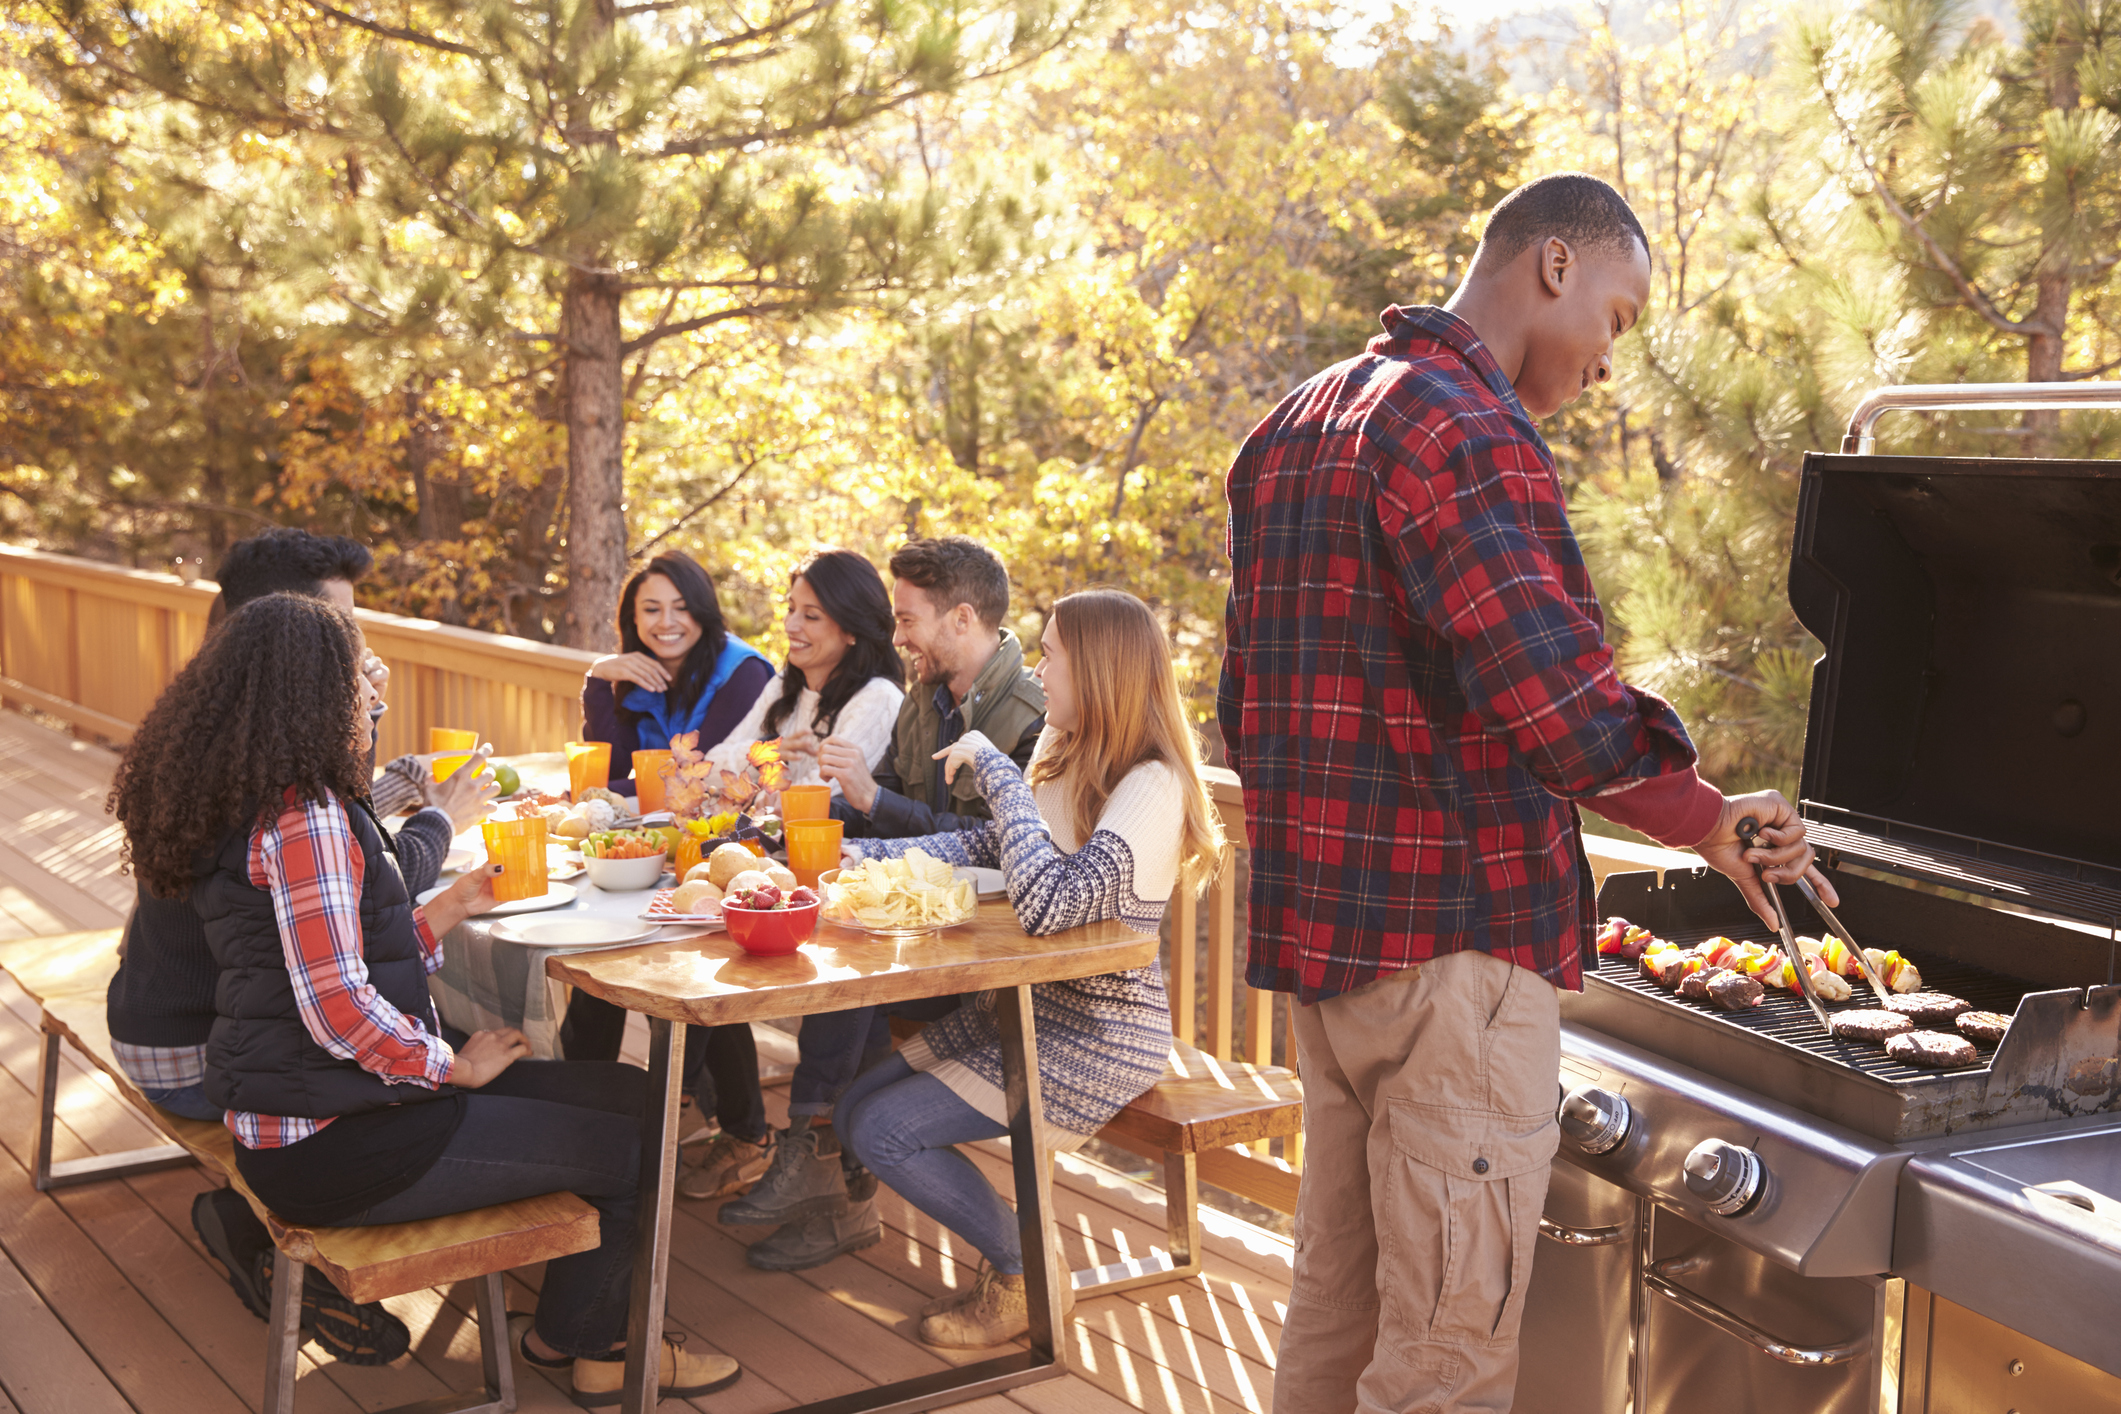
260	1058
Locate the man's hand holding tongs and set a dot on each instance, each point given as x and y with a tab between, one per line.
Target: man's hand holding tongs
1784	856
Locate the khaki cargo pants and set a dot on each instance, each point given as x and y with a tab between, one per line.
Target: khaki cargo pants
1429	1102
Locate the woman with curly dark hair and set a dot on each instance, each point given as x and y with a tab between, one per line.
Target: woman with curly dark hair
246	788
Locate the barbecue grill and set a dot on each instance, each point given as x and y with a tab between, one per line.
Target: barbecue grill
1749	1213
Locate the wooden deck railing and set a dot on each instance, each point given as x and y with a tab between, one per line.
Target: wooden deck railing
93	644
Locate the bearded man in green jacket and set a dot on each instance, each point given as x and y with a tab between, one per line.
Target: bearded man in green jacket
949	597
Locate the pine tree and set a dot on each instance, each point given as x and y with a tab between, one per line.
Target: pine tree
1989	172
571	184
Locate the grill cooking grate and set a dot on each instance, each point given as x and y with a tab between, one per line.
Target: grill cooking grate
1784	1017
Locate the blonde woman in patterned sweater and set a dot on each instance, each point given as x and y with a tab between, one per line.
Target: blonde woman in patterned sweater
1110	819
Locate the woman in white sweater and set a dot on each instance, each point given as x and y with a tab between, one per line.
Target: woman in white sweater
843	678
1109	821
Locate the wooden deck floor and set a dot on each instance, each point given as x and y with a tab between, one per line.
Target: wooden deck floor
108	1303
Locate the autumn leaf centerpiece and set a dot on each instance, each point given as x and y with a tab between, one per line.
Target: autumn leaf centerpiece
717	804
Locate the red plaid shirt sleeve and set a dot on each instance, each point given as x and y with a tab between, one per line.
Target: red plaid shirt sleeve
1416	683
307	859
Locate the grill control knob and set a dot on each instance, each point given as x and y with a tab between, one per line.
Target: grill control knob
1724	1176
1596	1120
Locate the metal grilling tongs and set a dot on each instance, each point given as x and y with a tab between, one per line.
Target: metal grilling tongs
1870	973
1749	833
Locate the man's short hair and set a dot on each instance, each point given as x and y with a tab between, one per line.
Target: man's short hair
956	570
288	561
1576	206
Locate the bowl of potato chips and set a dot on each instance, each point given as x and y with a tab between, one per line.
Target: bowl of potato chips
907	897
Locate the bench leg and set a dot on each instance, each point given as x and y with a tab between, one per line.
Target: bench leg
283	1348
283	1334
1181	1221
47	1174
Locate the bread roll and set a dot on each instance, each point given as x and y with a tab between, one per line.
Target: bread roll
701	870
749	879
782	878
728	861
699	896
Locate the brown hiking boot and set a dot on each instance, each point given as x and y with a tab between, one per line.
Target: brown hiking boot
729	1165
599	1382
994	1312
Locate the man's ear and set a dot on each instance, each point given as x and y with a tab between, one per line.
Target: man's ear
1557	262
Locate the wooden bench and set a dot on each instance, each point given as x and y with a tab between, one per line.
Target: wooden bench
68	976
1203	1103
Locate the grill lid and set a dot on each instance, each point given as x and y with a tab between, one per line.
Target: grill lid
1965	721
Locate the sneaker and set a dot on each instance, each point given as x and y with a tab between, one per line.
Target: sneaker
599	1383
239	1242
804	1180
994	1312
814	1241
730	1165
356	1333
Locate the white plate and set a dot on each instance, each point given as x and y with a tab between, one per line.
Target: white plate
458	860
555	896
574	932
986	883
564	869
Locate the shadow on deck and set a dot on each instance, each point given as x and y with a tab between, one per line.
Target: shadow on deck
108	1302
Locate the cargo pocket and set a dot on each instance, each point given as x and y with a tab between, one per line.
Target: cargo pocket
1466	1190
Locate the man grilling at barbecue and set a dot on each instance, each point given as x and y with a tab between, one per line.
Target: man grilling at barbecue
1419	695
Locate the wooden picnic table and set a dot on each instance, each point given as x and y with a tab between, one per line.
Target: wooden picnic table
711	980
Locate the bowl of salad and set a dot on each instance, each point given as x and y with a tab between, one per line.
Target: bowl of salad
625	861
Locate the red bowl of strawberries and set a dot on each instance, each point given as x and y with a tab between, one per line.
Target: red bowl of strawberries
768	923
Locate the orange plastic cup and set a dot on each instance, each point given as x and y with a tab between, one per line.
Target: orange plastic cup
588	766
813	847
450	739
518	846
648	779
806	802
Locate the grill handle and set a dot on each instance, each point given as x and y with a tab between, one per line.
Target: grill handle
1585	1236
1659	1279
1945	397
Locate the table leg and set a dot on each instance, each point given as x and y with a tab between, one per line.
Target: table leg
1043	1271
651	1244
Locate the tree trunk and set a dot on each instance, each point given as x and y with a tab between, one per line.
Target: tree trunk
2044	350
596	472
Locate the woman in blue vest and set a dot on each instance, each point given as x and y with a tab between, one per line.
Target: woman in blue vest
348	1106
679	669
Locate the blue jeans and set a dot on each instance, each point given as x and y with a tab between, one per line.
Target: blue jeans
549	1127
836	1046
187	1100
904	1125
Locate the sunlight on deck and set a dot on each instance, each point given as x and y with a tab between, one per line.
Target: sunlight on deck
108	1303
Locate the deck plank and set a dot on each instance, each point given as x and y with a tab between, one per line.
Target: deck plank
43	1369
147	1297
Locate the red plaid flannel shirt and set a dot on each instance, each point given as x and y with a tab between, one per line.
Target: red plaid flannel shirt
1416	686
